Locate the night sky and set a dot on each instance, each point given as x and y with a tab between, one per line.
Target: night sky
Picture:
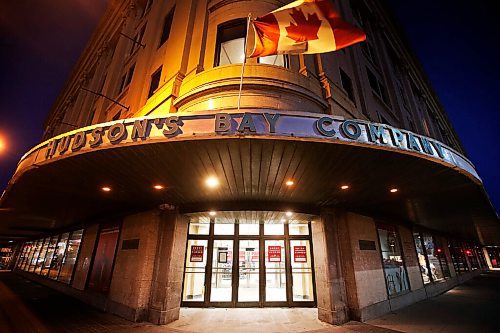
456	41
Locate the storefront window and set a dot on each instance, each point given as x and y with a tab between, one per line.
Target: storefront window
34	258
224	227
437	262
392	259
298	228
249	228
50	253
199	226
458	257
69	259
274	228
301	270
471	254
27	256
57	259
194	271
41	256
422	261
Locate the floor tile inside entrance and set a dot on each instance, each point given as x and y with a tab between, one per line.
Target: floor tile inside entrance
267	320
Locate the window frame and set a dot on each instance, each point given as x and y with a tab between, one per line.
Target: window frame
219	40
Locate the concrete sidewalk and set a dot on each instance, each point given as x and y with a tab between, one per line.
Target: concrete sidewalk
28	307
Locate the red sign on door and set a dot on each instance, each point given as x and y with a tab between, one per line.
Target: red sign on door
274	253
196	253
299	253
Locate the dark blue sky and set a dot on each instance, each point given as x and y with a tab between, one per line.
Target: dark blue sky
456	41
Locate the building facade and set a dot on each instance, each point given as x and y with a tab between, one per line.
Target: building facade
335	181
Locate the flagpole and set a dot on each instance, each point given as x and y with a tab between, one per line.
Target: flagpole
244	60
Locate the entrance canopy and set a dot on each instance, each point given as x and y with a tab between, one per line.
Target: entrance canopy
251	161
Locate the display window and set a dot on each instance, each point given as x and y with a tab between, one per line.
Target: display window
431	258
53	256
396	277
458	258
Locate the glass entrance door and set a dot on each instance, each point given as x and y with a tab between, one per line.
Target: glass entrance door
249	274
248	263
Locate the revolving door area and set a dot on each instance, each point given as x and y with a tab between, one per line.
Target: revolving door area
240	262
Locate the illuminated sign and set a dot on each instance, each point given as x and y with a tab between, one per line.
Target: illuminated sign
284	125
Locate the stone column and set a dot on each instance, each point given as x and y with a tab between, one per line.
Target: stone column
330	284
166	287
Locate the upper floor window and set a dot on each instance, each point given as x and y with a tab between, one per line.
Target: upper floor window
126	78
167	25
155	82
139	36
346	82
377	87
230	48
147	7
275	60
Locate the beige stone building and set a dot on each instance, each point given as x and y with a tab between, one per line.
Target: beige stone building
338	183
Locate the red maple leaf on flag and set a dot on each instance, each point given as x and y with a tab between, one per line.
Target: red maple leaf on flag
304	29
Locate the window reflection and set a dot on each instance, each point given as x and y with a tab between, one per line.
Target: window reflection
394	269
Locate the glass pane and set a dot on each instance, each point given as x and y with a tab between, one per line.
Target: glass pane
276	60
436	271
199	226
222	271
275	271
57	259
231	52
36	252
69	260
248	289
274	228
41	256
395	273
194	272
223	227
301	270
249	229
28	254
421	258
298	228
48	257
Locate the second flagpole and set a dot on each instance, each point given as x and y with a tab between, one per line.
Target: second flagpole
244	60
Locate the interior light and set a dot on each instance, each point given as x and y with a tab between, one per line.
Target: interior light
212	213
344	187
283	220
210	104
289	182
289	214
394	190
158	187
212	182
106	189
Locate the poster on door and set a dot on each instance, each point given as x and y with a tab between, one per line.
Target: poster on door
299	253
274	253
196	253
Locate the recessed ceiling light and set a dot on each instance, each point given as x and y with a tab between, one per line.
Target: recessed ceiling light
289	214
289	182
344	187
394	190
212	213
212	182
158	187
106	188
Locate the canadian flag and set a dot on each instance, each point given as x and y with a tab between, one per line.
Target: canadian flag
303	26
